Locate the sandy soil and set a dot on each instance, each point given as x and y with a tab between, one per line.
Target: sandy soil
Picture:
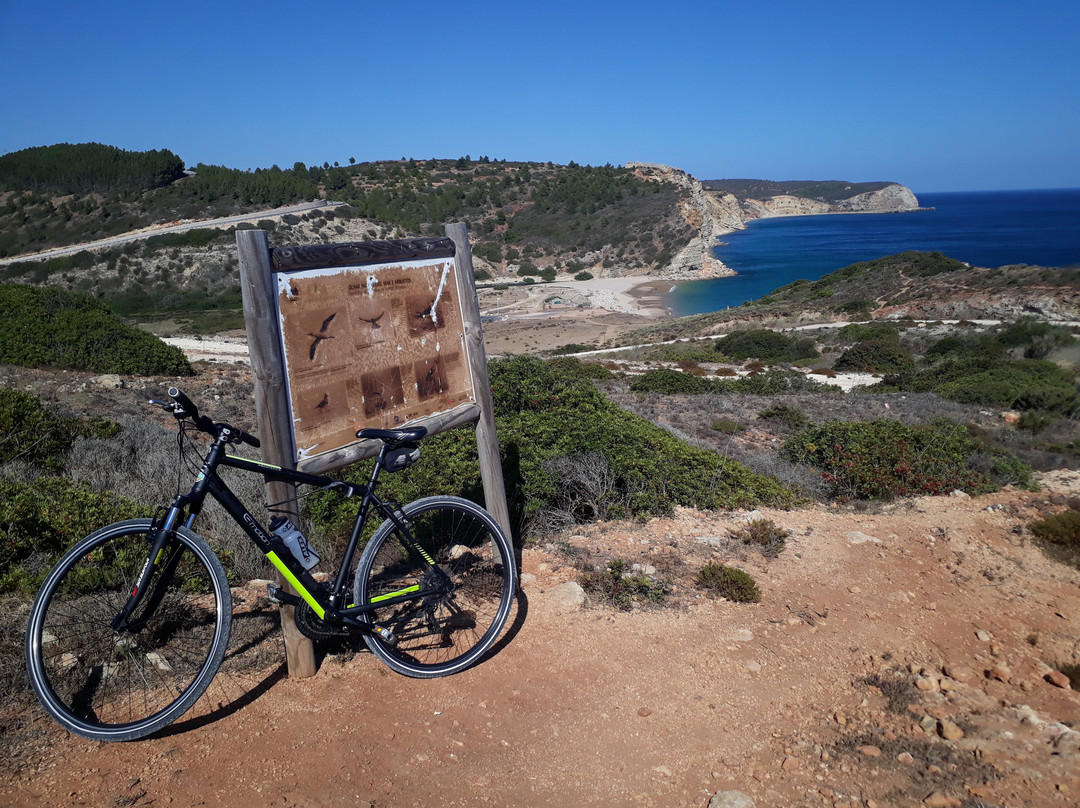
896	658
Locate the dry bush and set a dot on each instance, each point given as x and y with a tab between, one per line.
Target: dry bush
141	463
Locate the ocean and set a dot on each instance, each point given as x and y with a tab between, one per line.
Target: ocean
990	229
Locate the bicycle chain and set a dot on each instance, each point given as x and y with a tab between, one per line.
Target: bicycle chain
314	628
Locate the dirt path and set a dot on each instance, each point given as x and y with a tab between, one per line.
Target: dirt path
881	638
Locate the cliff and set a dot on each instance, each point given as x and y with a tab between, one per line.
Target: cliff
716	207
892	198
710	214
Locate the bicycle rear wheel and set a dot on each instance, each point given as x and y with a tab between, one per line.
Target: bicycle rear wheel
444	633
117	685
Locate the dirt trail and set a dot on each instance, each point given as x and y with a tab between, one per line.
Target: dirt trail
877	635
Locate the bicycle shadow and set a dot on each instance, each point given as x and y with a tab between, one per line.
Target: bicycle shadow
242	678
325	649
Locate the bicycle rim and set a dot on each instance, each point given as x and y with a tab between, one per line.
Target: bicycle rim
112	685
439	634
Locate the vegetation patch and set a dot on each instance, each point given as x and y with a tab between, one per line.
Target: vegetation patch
763	535
569	454
1022	384
788	415
60	329
884	459
33	434
40	519
1060	532
765	345
732	583
620	587
874	356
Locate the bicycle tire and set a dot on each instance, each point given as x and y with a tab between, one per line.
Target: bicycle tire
441	634
107	685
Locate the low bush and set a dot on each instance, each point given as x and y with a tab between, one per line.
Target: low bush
766	345
874	356
884	459
619	587
669	382
1060	535
546	411
42	327
33	434
786	414
1061	528
39	520
727	426
728	582
1021	384
764	535
761	382
771	383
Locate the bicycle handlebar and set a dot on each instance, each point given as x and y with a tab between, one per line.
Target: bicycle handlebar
185	408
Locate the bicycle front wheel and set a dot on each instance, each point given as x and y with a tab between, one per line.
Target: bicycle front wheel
459	550
111	684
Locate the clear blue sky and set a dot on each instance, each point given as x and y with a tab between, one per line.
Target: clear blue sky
936	95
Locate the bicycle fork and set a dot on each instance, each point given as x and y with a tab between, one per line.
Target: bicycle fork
146	587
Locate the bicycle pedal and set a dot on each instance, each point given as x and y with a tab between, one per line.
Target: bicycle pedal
275	594
384	634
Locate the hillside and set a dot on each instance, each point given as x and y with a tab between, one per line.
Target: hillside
910	285
527	220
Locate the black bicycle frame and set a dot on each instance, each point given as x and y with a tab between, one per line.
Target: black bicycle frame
327	605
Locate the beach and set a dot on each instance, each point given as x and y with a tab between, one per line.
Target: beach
534	317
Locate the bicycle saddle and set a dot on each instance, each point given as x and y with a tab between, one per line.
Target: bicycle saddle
410	435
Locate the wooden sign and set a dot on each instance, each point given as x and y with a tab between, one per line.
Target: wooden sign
376	344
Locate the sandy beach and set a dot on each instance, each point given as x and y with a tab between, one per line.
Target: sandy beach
535	317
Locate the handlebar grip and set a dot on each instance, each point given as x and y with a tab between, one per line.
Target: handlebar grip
185	403
250	440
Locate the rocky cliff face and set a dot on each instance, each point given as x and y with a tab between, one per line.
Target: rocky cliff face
714	213
890	199
710	214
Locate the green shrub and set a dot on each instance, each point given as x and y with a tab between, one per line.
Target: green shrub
571	348
619	587
669	382
772	383
728	582
727	426
884	459
1034	422
874	356
857	306
1021	384
1037	339
788	415
764	535
583	276
862	332
1061	532
41	519
41	327
1061	528
766	345
31	433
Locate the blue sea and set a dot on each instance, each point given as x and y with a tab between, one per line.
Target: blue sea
989	229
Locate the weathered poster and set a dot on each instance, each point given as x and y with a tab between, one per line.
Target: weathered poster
376	345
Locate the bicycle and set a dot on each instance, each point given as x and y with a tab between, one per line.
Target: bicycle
129	628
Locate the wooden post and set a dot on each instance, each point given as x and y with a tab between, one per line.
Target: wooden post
272	410
487	442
